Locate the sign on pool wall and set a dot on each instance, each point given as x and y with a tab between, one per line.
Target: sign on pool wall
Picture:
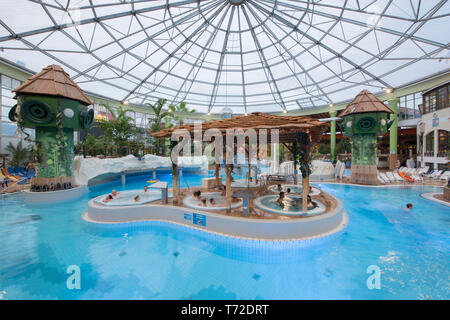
196	218
199	219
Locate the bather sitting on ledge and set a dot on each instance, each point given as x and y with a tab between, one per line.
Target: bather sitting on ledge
108	198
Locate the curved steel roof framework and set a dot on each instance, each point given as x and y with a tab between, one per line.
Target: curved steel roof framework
244	54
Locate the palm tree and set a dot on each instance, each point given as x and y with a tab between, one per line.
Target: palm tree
19	154
120	129
156	123
179	112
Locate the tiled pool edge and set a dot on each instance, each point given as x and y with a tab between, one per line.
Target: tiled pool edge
430	196
229	226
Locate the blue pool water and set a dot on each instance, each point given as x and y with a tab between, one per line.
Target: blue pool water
163	261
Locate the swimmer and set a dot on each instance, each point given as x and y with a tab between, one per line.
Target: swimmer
288	190
145	189
311	204
280	199
108	198
409	207
279	187
114	193
212	202
203	200
137	198
196	195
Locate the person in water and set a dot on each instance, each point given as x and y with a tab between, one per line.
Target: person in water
114	193
311	204
203	200
279	187
196	195
145	189
409	207
108	198
137	198
280	199
288	190
212	202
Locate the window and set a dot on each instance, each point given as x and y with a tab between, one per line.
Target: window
429	144
444	143
441	98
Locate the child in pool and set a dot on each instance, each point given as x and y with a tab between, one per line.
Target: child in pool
137	198
145	189
409	207
311	204
279	187
107	199
212	202
203	200
280	199
196	195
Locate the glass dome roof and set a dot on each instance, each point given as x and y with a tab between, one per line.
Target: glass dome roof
246	55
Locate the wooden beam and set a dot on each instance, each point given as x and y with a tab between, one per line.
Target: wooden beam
228	187
217	167
305	191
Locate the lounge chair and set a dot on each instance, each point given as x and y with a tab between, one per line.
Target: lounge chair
423	170
8	176
390	176
445	176
384	177
436	174
398	177
381	179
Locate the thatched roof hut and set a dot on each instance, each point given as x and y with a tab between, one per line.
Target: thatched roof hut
53	81
364	102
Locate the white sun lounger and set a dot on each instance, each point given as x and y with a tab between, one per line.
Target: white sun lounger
384	177
445	176
398	177
390	176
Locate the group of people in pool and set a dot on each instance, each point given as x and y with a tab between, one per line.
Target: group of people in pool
286	202
197	195
114	194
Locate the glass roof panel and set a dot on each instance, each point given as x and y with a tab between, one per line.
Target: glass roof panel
248	55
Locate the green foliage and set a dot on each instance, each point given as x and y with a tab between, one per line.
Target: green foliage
162	120
118	130
19	155
179	112
323	148
343	146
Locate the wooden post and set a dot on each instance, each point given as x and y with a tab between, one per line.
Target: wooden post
217	173
175	183
228	187
295	161
305	191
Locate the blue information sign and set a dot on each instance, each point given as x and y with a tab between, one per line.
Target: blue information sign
199	219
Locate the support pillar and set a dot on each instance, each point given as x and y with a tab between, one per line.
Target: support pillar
333	137
175	183
228	187
305	192
216	173
393	131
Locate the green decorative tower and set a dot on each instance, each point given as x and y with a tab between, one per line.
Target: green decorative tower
365	119
52	103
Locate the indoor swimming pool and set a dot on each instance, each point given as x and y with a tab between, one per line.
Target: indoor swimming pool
158	260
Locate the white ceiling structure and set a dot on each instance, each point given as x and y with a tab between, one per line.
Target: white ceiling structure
247	55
